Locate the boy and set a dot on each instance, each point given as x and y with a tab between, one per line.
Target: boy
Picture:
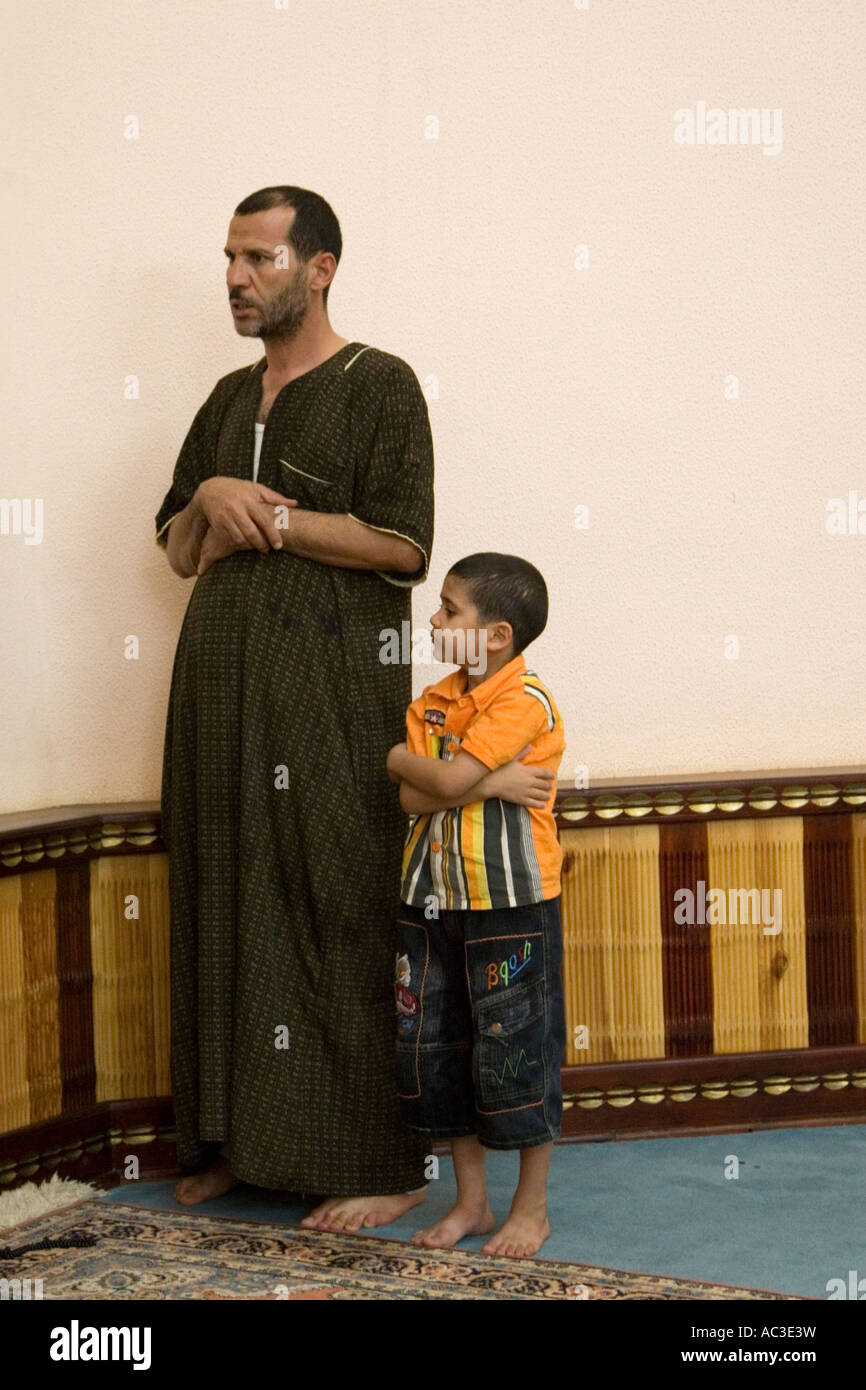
481	1018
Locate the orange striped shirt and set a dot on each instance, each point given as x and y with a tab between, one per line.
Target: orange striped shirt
488	853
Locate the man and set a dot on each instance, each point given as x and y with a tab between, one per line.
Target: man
303	501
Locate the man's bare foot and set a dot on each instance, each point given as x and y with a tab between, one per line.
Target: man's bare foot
202	1187
460	1222
523	1234
356	1213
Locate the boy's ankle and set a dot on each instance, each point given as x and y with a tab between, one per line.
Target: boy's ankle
473	1204
529	1206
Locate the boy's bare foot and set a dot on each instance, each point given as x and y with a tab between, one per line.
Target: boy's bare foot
211	1182
461	1221
523	1234
356	1213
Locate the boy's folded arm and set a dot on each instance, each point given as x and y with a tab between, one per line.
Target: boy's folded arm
441	779
418	803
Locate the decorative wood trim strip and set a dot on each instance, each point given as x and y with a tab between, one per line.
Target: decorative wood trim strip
720	796
39	839
75	978
687	969
91	1144
681	1096
830	931
591	1097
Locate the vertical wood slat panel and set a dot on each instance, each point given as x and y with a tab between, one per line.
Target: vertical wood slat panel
612	942
830	954
759	980
130	977
75	979
686	959
14	1084
39	935
858	888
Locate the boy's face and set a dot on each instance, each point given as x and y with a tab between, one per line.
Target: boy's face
459	637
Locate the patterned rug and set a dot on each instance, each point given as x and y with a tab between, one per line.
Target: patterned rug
120	1251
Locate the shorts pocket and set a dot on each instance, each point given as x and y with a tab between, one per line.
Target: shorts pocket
410	972
508	1060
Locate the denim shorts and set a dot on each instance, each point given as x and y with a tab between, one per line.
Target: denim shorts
481	1023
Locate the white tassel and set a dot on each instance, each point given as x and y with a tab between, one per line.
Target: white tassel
28	1201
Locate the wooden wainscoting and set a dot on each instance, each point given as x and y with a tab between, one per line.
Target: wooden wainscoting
672	1027
84	1003
723	1024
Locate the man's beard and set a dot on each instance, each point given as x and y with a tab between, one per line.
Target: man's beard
284	315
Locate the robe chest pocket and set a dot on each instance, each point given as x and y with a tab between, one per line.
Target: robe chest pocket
312	478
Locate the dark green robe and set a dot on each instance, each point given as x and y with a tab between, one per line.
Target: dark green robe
284	900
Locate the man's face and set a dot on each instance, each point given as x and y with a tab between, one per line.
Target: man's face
268	286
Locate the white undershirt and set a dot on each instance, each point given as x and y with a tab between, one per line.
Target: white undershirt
260	434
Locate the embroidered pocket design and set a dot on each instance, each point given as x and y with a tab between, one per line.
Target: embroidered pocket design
509	1061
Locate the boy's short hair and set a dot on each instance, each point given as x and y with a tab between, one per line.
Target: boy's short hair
506	588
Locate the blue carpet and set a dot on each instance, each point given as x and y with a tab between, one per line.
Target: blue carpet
791	1221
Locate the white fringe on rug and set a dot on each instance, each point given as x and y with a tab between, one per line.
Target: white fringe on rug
27	1201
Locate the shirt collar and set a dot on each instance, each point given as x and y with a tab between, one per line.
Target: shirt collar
453	686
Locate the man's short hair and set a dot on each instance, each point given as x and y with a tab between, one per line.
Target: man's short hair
315	227
506	588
